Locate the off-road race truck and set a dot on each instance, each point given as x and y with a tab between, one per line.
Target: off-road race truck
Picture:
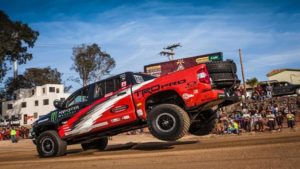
170	106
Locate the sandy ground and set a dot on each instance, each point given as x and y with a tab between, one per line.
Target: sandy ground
255	150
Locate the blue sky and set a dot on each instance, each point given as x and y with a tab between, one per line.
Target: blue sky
134	32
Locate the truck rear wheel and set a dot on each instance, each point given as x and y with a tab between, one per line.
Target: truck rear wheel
205	126
97	144
49	144
168	122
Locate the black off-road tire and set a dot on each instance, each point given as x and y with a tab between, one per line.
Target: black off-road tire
224	80
97	144
227	66
168	122
223	76
204	127
49	144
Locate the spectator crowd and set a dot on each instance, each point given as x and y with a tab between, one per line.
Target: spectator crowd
267	114
14	133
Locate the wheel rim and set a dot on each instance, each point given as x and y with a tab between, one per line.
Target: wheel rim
165	122
48	145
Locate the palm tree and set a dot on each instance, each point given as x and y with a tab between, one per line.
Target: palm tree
252	82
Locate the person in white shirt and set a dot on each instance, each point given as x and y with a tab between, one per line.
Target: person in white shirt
271	120
247	120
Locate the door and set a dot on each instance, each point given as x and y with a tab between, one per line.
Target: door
110	106
73	107
118	108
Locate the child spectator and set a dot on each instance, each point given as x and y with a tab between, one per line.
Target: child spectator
290	120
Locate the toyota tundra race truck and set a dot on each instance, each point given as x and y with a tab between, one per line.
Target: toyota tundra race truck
170	106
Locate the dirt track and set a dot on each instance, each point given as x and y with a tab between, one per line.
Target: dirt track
256	150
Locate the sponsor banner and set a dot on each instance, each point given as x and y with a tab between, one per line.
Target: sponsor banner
180	64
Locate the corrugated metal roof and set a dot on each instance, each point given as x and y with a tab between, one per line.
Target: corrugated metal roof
276	71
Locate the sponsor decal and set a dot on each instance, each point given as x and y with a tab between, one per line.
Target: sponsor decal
123	84
191	84
221	95
215	57
153	68
101	124
53	116
115	120
126	117
180	63
67	112
186	96
202	60
140	112
156	88
56	115
120	108
138	79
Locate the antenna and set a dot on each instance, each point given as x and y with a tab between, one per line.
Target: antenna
169	51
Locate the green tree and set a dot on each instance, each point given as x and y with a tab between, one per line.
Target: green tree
33	77
15	39
252	82
91	63
41	76
12	84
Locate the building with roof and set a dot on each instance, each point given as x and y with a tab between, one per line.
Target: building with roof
30	104
288	75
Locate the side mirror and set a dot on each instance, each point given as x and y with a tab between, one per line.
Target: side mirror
58	104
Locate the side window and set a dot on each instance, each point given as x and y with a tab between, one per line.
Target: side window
118	84
109	86
80	97
99	90
138	79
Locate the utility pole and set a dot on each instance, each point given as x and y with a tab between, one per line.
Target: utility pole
169	51
242	68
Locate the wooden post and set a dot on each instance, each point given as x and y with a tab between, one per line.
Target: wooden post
242	69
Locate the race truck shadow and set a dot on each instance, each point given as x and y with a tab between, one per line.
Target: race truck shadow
148	146
151	146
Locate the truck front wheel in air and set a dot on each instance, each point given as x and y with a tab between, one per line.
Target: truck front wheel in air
168	122
49	144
